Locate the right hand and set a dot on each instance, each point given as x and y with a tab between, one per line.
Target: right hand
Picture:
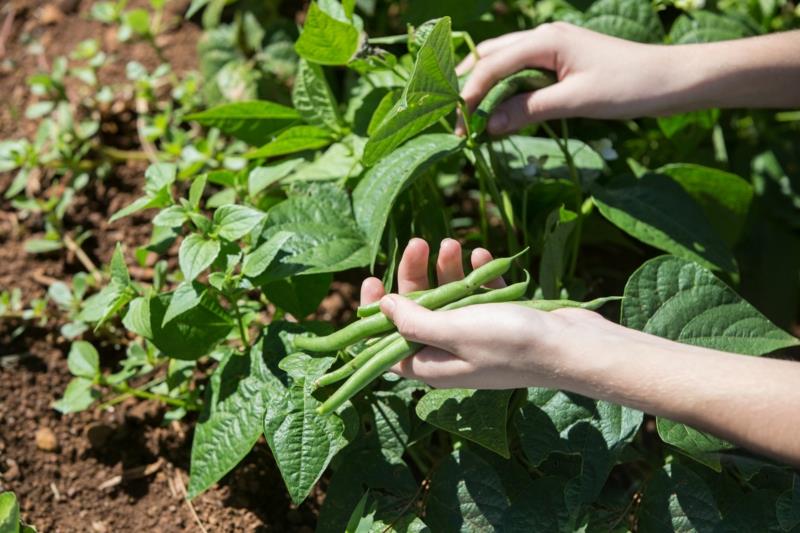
598	76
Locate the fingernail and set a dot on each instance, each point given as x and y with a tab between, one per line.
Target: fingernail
498	122
387	304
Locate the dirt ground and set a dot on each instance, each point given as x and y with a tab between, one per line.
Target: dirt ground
122	469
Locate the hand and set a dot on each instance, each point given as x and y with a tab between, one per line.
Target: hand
492	346
598	76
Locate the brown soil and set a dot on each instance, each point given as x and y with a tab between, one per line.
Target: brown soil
123	468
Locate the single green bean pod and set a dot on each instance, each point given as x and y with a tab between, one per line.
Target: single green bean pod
433	299
552	305
523	81
373	308
504	294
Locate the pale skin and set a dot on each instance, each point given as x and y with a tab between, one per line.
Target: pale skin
750	401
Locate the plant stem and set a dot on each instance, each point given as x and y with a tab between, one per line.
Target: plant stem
147	395
73	247
486	174
242	330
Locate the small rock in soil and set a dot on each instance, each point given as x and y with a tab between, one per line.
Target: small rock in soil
46	440
50	14
12	470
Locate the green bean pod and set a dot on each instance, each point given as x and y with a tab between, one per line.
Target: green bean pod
522	81
504	294
552	305
364	311
433	299
372	369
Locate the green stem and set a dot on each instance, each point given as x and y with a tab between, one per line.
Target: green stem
147	395
487	174
239	321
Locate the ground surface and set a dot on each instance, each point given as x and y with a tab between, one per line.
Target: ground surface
121	469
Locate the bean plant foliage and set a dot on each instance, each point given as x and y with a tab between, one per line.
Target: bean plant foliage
324	150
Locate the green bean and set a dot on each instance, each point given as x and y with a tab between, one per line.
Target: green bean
356	362
552	305
398	350
522	81
433	299
364	311
504	294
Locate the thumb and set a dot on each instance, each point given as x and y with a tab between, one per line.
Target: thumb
415	322
518	111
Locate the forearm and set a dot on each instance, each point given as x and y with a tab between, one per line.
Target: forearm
752	402
758	72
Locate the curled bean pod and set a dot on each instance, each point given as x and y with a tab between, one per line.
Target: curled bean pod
522	81
552	305
505	294
433	299
375	307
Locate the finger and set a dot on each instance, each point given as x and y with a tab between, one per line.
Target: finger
412	274
371	290
481	256
418	324
448	265
538	51
433	366
486	48
555	101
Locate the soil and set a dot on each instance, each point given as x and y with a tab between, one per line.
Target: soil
123	468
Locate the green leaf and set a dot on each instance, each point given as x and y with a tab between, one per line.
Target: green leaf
634	20
476	415
257	261
706	27
298	295
431	93
524	160
186	297
558	228
293	140
376	193
682	301
235	221
232	417
262	177
657	211
42	246
78	396
787	506
677	500
362	518
325	237
9	513
196	254
560	422
83	360
172	217
701	446
302	442
254	122
118	268
313	99
196	190
191	334
724	197
384	107
340	161
138	20
325	40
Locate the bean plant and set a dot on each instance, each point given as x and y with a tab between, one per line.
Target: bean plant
326	155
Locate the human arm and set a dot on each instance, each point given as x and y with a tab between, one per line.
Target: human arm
610	78
753	402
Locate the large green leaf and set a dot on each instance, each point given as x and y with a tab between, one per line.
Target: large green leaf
560	422
706	27
375	195
682	301
253	122
189	335
788	506
391	485
9	513
313	99
326	40
430	94
83	360
325	237
678	500
724	197
293	140
298	295
196	254
634	20
558	228
233	414
657	211
523	160
302	441
470	493
233	222
477	415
